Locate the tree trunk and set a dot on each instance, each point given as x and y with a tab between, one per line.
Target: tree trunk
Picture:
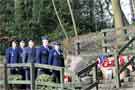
19	12
118	19
35	10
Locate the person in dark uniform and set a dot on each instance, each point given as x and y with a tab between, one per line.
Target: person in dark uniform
43	54
56	58
12	56
21	54
21	50
29	56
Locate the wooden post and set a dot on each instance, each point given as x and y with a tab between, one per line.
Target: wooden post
5	77
62	78
32	76
118	84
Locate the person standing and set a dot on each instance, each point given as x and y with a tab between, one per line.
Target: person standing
21	50
43	54
12	56
21	54
56	58
29	56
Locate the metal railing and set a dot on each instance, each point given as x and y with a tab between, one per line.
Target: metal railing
92	67
122	49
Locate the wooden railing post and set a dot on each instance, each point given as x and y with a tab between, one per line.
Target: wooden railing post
62	78
5	76
32	76
118	84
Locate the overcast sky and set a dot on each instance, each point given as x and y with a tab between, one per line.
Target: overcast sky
125	4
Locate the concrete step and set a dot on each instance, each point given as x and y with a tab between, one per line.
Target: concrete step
116	89
111	85
128	84
106	84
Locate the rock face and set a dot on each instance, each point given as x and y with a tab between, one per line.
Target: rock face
75	63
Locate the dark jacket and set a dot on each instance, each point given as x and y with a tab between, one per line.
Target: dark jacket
29	55
56	58
12	55
43	55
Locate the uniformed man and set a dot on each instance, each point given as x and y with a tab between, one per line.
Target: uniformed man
43	54
21	54
29	56
21	51
56	58
12	56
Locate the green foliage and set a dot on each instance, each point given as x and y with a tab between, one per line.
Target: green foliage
34	18
15	77
45	78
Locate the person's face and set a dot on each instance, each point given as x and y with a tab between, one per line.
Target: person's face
57	47
14	45
31	44
22	44
103	49
45	42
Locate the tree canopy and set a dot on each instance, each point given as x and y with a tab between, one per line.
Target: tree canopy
34	18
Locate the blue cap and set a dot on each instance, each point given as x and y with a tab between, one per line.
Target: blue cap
22	40
44	37
56	43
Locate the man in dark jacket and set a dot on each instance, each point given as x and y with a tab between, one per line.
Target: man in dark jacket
12	56
29	56
56	58
21	54
43	54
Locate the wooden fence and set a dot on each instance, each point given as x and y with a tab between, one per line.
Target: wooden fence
32	82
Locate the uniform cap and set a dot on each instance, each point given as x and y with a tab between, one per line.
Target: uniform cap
45	38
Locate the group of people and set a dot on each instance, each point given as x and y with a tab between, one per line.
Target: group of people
44	54
107	65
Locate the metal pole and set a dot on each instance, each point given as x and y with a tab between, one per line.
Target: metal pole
95	79
118	84
73	20
60	22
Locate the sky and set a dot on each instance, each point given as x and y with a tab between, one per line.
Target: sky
125	5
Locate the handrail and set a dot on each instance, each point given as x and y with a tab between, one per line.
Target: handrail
123	68
32	81
36	65
95	77
117	60
87	68
125	46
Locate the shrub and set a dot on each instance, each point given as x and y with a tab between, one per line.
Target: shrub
45	78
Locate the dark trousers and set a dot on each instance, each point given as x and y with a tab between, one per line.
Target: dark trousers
22	73
43	71
56	76
13	71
